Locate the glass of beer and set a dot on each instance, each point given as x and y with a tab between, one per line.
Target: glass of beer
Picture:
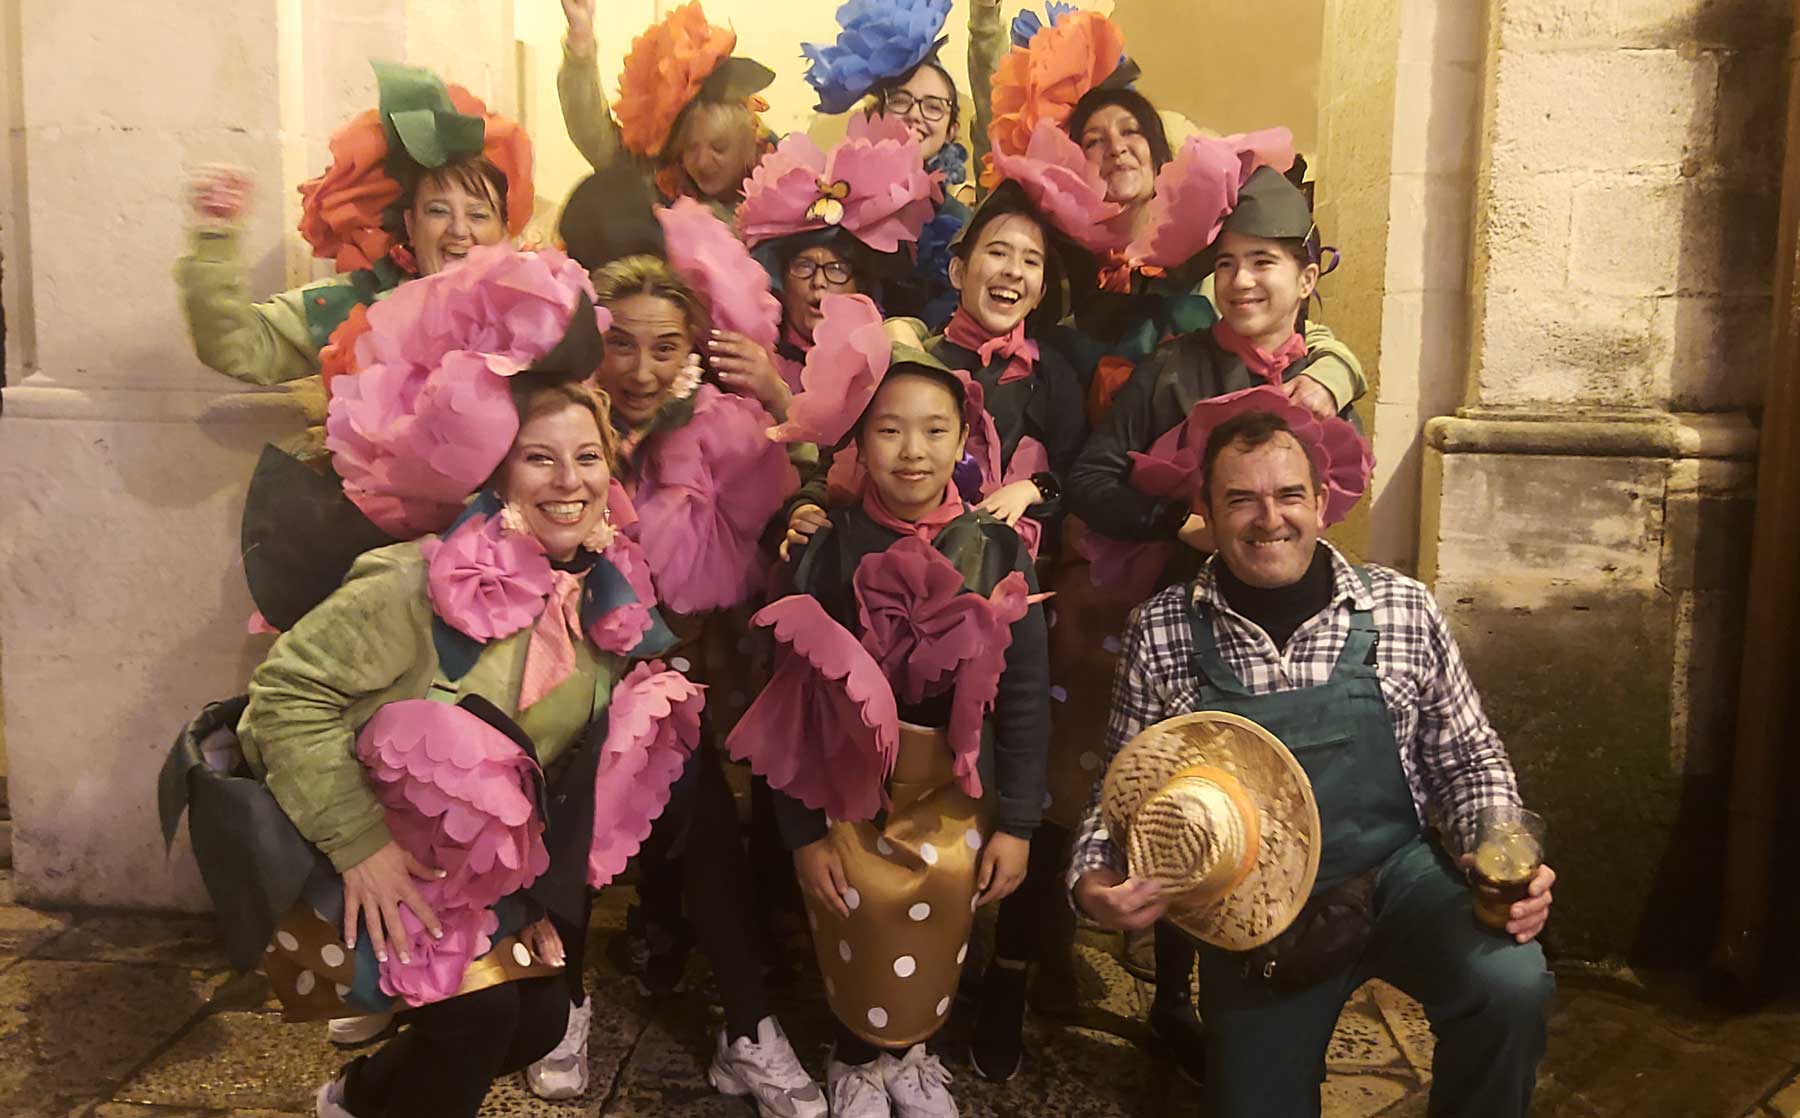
1509	848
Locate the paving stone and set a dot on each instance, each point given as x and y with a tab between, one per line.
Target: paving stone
1359	1096
71	1031
618	1023
1361	1039
24	929
1406	1021
239	1060
133	1110
186	941
1786	1103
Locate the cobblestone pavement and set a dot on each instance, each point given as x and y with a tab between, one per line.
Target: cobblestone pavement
131	1016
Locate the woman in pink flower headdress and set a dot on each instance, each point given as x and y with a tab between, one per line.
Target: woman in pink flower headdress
706	481
441	758
904	727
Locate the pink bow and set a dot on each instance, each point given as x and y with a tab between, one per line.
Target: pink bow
964	331
550	657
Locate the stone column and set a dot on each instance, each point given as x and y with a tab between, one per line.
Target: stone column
1585	511
123	462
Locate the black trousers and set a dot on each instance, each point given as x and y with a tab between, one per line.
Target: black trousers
694	862
442	1063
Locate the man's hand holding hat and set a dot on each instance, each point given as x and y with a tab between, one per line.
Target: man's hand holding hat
1120	903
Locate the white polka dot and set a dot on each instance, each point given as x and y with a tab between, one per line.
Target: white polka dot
920	911
269	950
943	1005
681	664
905	965
852	899
878	1017
883	847
929	853
844	950
1112	645
287	941
1049	798
830	987
961	954
1090	761
973	838
332	955
1060	693
304	983
343	991
521	956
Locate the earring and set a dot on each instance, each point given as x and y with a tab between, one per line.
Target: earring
601	537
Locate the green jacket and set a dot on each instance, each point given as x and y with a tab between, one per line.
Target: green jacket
367	645
263	343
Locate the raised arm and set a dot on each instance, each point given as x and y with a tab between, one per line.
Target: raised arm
258	343
987	42
586	114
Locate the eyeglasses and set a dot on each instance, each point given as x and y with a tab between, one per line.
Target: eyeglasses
934	109
805	268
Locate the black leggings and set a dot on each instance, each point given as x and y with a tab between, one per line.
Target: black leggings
442	1063
695	859
1031	919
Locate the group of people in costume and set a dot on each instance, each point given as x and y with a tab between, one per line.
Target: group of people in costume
918	482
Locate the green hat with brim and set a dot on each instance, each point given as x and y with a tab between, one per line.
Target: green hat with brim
1269	205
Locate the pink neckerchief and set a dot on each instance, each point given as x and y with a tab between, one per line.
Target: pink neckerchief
792	337
1021	352
926	527
1268	366
550	657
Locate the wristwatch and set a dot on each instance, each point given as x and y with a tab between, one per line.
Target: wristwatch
1047	488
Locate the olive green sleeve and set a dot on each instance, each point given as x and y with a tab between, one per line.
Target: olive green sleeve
1334	366
586	114
258	343
987	42
322	679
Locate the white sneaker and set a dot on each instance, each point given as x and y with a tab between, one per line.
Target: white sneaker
348	1032
330	1100
918	1084
563	1071
767	1069
857	1091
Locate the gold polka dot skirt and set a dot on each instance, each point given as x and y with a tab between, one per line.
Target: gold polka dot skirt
891	969
312	972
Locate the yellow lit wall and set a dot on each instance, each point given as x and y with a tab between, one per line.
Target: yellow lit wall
1223	65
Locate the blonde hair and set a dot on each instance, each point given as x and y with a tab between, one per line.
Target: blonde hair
650	275
534	400
732	116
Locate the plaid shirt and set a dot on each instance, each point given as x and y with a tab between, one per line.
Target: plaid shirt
1453	760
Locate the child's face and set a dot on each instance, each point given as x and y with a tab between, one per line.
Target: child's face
1259	286
1003	279
910	440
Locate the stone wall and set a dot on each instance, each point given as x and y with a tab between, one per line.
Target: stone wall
122	460
1587	511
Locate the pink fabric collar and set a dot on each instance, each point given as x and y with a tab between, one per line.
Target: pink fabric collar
1268	366
926	527
1021	352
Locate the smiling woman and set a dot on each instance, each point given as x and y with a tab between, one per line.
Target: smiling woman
382	214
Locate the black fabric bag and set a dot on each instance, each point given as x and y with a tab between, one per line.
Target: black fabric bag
1326	938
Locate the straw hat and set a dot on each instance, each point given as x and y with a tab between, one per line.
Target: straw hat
1214	808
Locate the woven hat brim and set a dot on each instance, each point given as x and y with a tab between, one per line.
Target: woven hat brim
1265	902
